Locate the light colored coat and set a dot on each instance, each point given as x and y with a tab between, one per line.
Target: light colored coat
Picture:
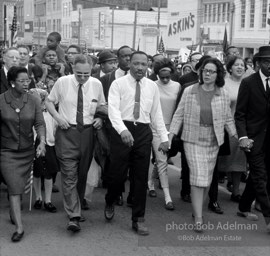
187	115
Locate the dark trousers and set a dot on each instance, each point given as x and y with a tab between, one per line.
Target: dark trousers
74	150
256	185
213	191
137	159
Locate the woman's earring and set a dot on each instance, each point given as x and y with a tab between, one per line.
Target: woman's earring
12	85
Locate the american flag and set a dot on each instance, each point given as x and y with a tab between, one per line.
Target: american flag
14	29
161	48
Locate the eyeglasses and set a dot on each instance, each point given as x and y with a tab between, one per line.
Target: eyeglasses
211	72
23	81
81	74
73	53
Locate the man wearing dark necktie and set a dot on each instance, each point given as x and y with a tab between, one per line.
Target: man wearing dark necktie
252	124
78	95
133	104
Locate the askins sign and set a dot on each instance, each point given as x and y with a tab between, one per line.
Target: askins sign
182	23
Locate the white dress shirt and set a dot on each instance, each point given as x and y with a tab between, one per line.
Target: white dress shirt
65	92
121	102
119	73
263	77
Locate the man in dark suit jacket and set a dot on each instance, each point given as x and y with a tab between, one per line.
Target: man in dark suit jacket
123	56
252	120
107	62
11	58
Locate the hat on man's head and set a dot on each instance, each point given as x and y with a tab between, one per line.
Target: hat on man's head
106	55
264	52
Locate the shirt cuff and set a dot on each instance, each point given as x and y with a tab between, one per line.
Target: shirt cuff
244	137
164	138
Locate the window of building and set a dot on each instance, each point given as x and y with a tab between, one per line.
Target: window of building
243	13
223	12
252	13
218	12
54	5
228	12
214	12
54	25
49	25
205	13
264	13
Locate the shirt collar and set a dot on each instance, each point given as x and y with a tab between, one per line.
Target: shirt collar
263	77
5	70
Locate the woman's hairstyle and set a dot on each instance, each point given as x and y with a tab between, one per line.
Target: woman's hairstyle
162	64
81	58
13	73
231	62
220	71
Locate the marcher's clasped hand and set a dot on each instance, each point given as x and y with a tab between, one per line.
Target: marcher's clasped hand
41	150
246	144
164	147
127	138
98	123
62	123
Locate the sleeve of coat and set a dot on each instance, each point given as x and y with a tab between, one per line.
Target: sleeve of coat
241	109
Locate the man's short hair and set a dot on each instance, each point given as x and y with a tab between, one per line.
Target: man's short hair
56	35
77	47
24	46
9	49
138	52
81	58
122	47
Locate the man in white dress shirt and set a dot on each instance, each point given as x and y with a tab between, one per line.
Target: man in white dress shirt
133	104
78	96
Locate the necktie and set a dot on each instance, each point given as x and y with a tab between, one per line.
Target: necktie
126	72
267	87
136	111
79	116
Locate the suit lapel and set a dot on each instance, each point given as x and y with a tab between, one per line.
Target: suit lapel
260	85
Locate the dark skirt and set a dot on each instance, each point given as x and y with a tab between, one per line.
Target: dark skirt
48	165
15	168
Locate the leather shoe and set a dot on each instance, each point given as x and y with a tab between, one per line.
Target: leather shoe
235	198
152	193
16	237
55	189
50	207
109	212
74	225
214	207
248	215
85	205
140	228
82	218
169	206
186	198
119	201
38	204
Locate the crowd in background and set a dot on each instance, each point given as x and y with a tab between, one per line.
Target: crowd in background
63	110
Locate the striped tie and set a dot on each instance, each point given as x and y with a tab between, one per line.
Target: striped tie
79	116
136	111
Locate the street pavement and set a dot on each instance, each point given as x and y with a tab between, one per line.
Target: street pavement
170	231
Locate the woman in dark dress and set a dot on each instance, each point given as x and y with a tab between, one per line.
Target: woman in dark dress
20	112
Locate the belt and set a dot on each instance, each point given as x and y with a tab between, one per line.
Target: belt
206	125
75	126
136	123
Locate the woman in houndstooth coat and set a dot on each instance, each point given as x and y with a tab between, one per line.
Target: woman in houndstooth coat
203	113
